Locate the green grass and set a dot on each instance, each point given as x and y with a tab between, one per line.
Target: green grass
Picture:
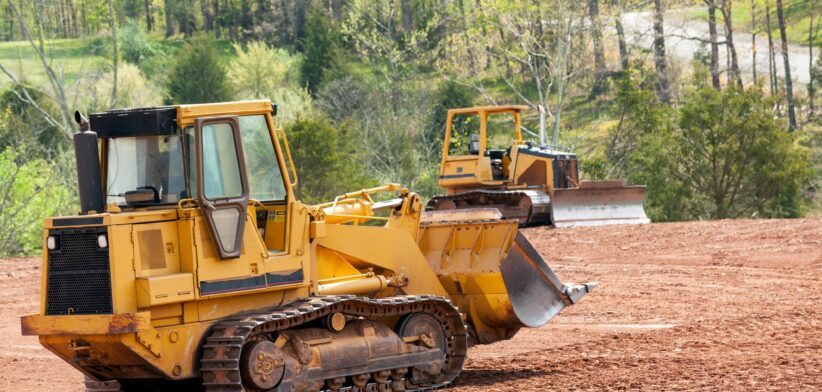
70	58
797	19
74	59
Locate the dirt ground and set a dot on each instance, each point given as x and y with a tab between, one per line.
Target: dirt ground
730	305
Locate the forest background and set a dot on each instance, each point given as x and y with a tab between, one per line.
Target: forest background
363	86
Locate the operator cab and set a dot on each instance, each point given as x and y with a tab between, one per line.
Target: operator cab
149	162
478	145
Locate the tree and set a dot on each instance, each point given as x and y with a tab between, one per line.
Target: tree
325	160
115	55
660	59
548	44
449	96
714	44
623	46
198	75
168	9
753	38
734	75
599	50
774	86
319	50
259	70
724	156
788	81
812	32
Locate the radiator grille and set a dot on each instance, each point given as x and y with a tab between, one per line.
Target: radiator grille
568	173
79	277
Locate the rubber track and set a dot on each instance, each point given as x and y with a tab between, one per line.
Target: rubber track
220	361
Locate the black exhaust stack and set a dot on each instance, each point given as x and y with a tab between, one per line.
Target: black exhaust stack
87	154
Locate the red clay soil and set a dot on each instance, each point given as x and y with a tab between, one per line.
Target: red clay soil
728	305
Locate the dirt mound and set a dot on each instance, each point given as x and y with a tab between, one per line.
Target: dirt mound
732	305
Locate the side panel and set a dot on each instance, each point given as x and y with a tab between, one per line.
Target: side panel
460	172
533	170
390	249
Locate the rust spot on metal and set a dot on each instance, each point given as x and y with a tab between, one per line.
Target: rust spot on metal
123	323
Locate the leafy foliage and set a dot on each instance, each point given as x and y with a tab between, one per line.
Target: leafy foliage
325	160
722	154
259	70
133	90
320	50
198	75
136	45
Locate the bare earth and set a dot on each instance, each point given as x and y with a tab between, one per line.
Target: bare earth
730	305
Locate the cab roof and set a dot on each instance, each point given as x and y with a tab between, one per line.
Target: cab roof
166	120
489	109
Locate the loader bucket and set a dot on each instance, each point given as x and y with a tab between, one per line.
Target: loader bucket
536	293
492	273
597	203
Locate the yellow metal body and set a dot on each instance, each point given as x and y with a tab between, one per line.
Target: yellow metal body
162	259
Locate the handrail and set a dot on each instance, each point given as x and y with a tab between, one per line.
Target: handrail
290	160
393	187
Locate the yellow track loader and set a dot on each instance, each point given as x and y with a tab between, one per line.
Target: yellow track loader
486	164
192	266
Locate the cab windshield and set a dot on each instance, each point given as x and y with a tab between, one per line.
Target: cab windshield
146	163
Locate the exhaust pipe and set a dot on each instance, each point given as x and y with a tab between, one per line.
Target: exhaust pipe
87	156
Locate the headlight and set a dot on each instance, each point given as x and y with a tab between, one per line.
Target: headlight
51	242
102	241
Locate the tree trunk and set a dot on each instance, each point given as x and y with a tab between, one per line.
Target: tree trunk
734	76
753	37
471	55
169	10
149	16
208	20
115	55
484	30
215	7
714	44
660	62
407	17
623	46
788	82
299	23
811	87
599	51
771	52
336	9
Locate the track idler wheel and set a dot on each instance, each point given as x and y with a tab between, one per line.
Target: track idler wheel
430	333
262	365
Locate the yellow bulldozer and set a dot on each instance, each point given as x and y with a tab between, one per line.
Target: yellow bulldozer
192	266
486	163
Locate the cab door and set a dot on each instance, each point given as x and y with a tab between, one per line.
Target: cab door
222	184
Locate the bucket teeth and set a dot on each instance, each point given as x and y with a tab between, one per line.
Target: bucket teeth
575	292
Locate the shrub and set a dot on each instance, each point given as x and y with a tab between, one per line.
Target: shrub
198	75
259	70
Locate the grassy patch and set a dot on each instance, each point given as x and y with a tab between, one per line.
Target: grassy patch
70	58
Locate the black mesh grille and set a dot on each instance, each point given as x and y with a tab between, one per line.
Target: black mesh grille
79	277
568	173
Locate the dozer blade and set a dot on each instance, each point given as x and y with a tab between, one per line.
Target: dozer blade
597	203
535	292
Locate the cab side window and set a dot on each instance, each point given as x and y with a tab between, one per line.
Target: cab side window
465	131
264	176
